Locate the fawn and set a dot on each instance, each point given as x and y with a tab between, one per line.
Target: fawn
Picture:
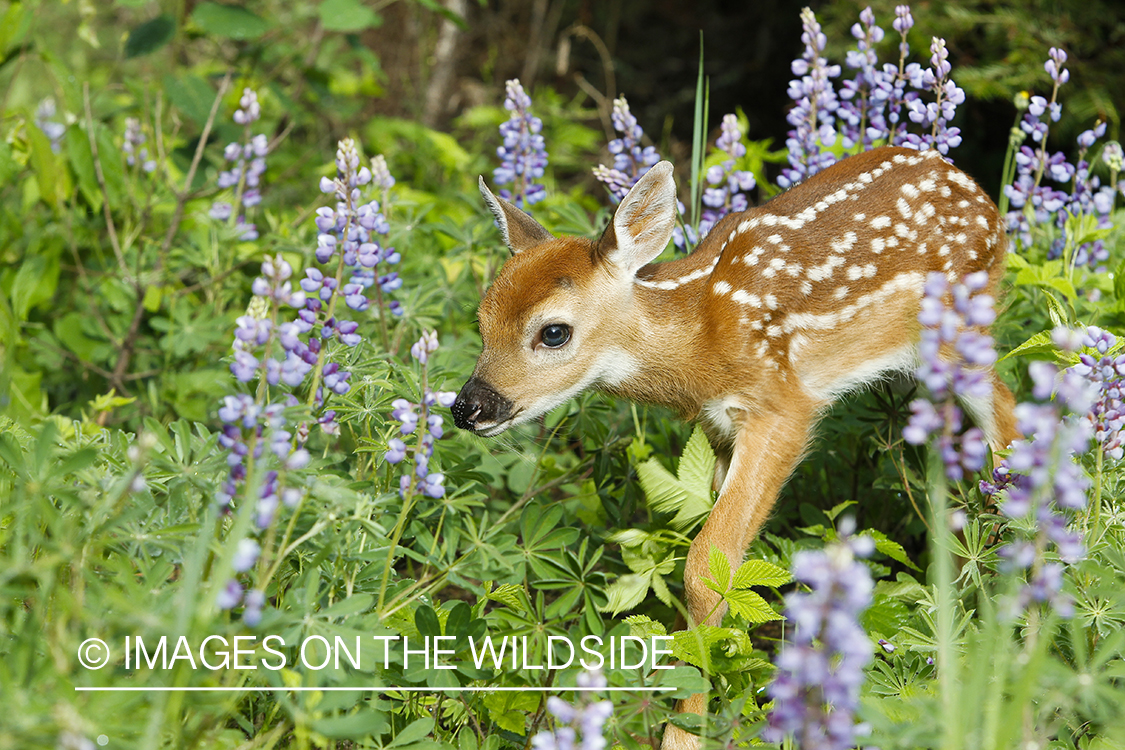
778	312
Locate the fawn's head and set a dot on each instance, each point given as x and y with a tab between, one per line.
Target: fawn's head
553	322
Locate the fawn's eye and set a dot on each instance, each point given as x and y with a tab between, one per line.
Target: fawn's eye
555	335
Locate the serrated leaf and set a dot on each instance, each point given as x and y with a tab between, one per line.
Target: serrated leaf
1040	343
626	592
688	495
750	606
229	21
719	567
760	573
509	594
644	627
150	36
697	464
694	646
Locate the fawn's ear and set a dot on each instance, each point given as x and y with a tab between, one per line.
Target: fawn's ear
643	223
518	229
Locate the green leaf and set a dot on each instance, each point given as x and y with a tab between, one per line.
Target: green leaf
412	732
748	605
1040	343
689	494
644	627
510	708
760	573
229	21
509	594
626	592
191	95
891	548
719	567
348	16
150	36
354	604
358	725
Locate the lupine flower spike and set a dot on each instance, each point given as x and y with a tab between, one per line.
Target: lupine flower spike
524	153
813	114
248	164
409	416
582	726
965	378
1040	482
630	159
281	350
821	667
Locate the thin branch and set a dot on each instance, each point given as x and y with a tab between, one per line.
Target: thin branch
110	227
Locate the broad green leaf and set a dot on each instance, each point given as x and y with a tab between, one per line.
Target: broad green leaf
694	646
150	36
626	592
689	494
229	21
191	95
890	548
357	725
352	605
750	606
644	627
1040	343
687	679
509	709
719	567
348	16
412	732
760	573
697	464
48	168
509	594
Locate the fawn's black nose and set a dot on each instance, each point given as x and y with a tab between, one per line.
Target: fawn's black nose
479	406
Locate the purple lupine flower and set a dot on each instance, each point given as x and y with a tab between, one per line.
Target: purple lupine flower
892	88
814	111
945	327
630	159
727	186
248	164
821	668
252	605
1034	201
864	97
523	156
938	114
409	415
584	722
1040	479
134	148
230	595
1107	374
44	120
246	555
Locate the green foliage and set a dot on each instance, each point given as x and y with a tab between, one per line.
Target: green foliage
118	297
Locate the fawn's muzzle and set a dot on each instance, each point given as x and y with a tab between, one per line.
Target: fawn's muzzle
479	407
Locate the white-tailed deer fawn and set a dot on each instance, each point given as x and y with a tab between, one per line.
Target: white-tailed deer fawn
777	313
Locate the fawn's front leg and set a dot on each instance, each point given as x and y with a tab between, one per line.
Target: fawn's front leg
767	448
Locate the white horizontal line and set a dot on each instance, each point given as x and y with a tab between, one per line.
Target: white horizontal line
134	689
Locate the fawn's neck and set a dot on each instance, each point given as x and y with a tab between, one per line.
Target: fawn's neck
681	352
